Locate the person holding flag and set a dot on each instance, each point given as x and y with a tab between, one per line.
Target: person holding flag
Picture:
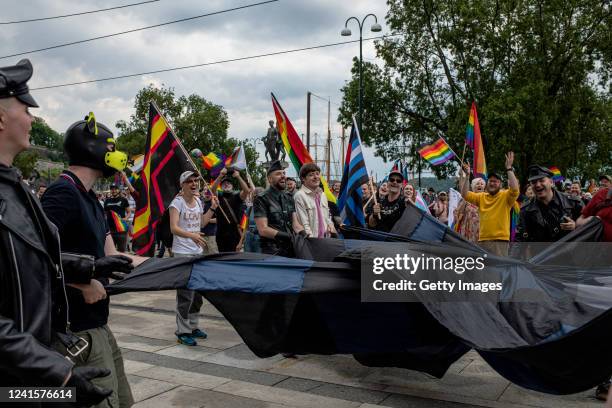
230	203
391	207
117	211
186	220
354	175
73	207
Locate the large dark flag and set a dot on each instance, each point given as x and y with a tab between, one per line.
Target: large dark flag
354	175
547	330
165	159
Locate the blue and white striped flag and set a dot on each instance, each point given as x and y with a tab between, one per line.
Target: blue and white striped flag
355	174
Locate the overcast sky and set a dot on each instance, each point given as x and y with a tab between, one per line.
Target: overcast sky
242	88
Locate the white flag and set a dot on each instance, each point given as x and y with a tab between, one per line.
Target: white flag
453	202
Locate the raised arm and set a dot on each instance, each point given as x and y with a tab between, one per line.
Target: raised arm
513	183
217	181
244	187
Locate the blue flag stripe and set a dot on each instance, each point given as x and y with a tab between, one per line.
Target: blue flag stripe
350	201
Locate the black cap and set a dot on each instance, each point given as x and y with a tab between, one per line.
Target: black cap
275	165
396	172
494	174
536	172
13	82
605	176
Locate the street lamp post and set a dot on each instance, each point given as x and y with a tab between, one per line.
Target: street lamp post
346	32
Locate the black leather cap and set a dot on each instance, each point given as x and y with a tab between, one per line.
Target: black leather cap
494	174
275	165
536	172
13	82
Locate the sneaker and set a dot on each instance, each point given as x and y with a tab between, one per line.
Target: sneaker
201	334
186	340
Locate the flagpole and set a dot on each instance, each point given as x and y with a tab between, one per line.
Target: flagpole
367	202
243	231
178	141
374	194
449	147
249	179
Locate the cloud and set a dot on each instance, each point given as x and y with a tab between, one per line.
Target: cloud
242	88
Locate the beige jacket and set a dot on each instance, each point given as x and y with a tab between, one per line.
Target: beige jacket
306	210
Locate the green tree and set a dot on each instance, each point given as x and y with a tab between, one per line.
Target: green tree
539	71
198	123
42	135
26	162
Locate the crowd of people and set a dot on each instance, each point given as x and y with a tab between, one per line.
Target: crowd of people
61	244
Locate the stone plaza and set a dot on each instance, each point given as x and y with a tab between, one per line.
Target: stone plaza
222	372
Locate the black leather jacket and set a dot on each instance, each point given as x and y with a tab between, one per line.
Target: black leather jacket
539	223
278	207
33	302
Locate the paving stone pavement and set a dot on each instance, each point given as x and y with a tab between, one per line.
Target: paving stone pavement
222	372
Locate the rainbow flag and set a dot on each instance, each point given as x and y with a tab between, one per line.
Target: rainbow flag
514	219
218	187
473	127
294	147
437	153
211	160
474	140
118	222
557	177
244	221
213	163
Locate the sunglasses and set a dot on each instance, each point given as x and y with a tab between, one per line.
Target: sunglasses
395	180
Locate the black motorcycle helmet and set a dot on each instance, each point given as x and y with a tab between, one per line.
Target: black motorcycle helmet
91	144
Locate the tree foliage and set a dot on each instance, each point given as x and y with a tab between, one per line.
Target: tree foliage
539	71
42	135
26	162
197	122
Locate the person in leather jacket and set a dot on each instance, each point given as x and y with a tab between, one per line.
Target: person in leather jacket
551	215
275	214
33	272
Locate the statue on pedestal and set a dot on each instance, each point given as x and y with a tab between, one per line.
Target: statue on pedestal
274	144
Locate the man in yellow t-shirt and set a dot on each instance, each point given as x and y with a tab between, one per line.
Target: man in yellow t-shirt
494	206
